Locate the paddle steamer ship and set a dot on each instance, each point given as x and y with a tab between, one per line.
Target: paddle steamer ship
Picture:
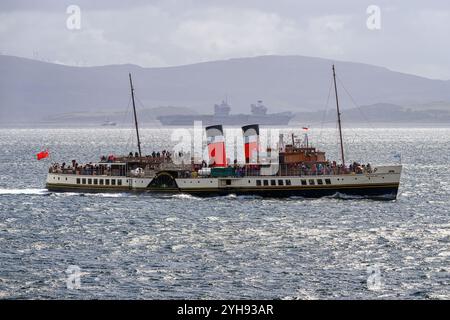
301	170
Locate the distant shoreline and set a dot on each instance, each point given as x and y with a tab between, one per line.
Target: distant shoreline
390	125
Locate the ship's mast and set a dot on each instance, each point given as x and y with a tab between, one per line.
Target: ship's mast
339	117
135	117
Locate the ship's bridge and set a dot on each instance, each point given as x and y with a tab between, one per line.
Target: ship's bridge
222	109
258	108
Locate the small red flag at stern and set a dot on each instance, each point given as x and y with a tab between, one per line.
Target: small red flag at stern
42	155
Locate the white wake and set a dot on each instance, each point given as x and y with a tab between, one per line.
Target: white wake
23	191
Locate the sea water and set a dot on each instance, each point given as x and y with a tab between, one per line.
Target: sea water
130	246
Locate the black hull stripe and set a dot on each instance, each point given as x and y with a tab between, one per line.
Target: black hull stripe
382	193
361	186
280	188
58	186
386	192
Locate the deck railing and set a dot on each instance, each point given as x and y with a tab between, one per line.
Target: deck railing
191	171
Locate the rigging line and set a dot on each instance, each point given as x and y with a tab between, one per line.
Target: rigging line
353	131
325	112
126	112
354	103
131	135
336	137
121	122
125	117
142	109
139	102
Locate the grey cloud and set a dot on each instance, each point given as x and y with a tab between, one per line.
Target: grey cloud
413	37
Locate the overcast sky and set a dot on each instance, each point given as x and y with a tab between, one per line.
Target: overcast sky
413	38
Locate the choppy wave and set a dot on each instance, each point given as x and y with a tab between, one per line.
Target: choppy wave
184	196
109	195
174	246
343	196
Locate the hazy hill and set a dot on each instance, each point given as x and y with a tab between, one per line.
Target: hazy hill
34	90
124	117
376	114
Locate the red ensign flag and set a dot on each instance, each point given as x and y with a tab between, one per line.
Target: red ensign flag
42	155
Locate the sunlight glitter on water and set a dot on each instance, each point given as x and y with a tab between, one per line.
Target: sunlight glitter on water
178	246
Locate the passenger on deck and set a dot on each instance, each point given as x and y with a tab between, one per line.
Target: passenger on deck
319	169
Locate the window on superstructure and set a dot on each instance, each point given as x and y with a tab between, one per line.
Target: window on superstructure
266	182
303	182
319	181
95	181
280	182
119	182
258	183
113	182
312	182
273	182
327	181
89	181
288	182
107	182
101	181
78	180
83	181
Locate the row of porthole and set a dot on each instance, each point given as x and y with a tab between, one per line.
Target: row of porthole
101	182
281	182
97	181
304	182
288	182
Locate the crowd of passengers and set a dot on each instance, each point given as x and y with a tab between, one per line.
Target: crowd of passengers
328	168
165	155
306	169
95	169
84	169
333	168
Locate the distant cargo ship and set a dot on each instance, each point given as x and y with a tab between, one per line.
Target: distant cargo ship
222	115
